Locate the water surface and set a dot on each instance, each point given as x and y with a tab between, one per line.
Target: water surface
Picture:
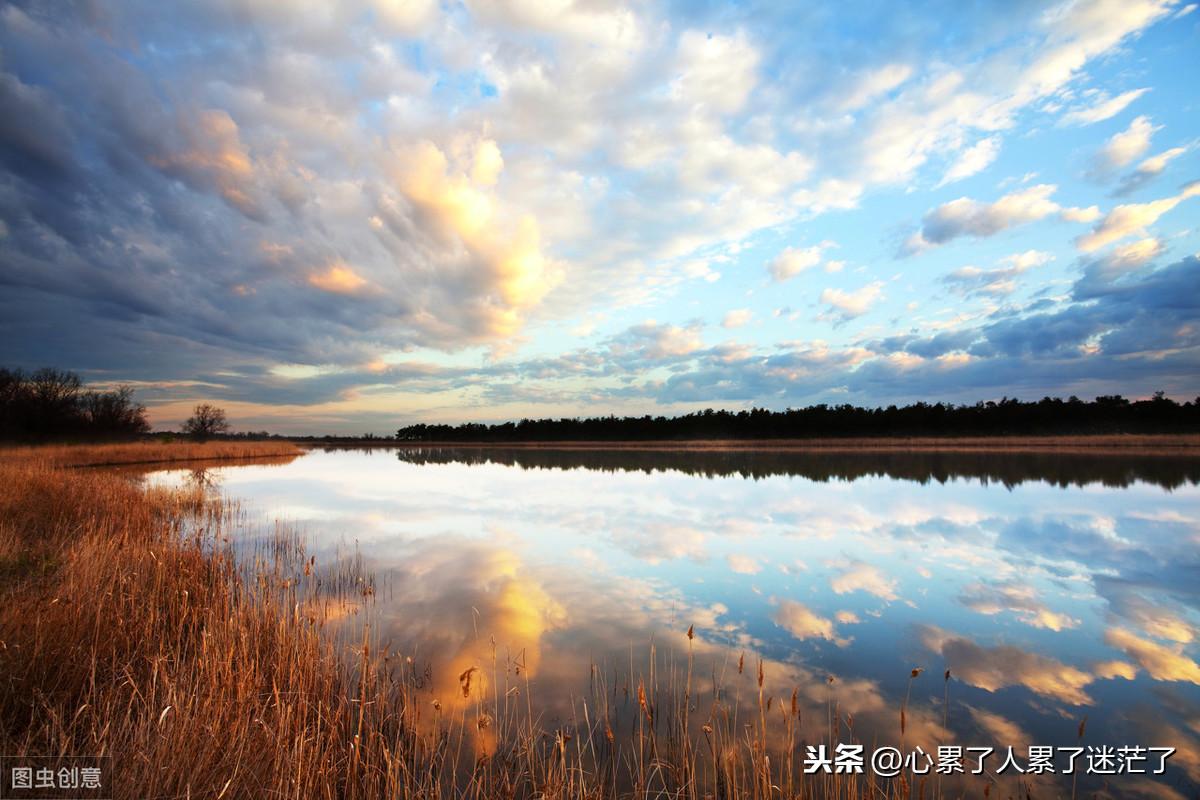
1053	586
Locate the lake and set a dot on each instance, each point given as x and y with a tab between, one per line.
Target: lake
1053	586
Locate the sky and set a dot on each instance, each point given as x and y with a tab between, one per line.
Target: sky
346	217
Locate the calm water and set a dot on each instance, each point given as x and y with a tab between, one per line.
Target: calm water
1053	587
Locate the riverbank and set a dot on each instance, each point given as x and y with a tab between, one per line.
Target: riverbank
144	452
1099	444
127	630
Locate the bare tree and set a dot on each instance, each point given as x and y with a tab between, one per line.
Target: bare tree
206	420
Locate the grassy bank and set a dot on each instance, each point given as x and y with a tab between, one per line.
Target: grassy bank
124	633
144	452
128	629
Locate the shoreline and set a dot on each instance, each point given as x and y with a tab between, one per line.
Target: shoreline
1097	444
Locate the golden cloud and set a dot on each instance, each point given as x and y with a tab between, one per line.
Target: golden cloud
339	279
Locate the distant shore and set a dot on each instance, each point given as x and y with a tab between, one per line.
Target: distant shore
1172	444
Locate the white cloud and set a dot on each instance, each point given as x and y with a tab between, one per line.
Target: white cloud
614	26
794	260
1102	110
870	85
830	195
973	160
849	305
803	623
743	564
1089	214
860	576
1127	257
716	73
737	318
1127	145
998	281
1157	163
658	543
1131	219
951	103
405	17
656	342
1149	169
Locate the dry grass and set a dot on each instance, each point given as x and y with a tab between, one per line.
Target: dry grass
145	452
128	628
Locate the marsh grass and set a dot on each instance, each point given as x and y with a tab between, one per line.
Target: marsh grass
130	626
145	452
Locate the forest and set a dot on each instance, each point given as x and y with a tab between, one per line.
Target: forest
1006	417
53	404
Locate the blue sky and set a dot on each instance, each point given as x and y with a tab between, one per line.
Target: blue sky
345	217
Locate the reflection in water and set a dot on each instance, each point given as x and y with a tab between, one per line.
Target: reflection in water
1058	597
1006	467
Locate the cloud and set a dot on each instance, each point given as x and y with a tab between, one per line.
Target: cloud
715	72
973	160
1111	330
1102	110
848	305
868	86
405	17
1125	146
737	318
954	102
1014	597
998	281
967	217
861	576
1149	169
217	157
1163	662
743	564
794	260
1152	618
1089	214
998	729
611	27
803	623
505	255
1124	259
1115	669
339	279
658	543
829	195
1131	219
656	341
994	668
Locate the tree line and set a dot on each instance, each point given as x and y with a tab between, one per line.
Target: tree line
1048	416
50	403
53	404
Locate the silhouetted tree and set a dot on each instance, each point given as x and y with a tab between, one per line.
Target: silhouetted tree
110	413
206	420
52	404
1008	416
